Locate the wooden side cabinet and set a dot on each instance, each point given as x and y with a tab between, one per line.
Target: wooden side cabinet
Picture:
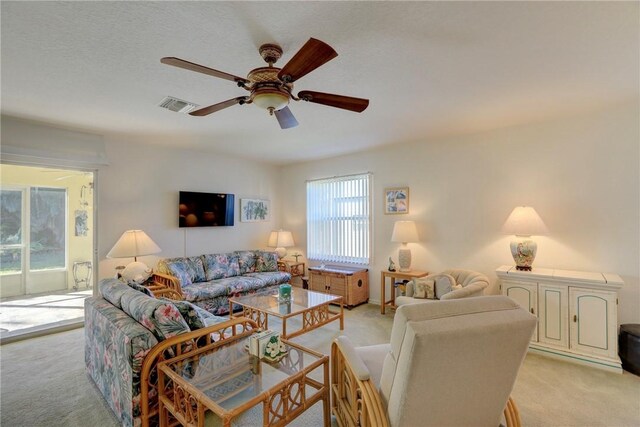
577	313
350	283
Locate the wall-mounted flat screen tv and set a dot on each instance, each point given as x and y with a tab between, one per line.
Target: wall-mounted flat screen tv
205	209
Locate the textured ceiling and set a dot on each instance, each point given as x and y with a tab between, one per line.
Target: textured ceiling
429	69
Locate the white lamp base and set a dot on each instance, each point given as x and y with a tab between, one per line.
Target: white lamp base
404	259
136	272
523	250
282	252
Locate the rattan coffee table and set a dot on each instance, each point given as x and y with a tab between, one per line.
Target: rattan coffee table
313	307
217	384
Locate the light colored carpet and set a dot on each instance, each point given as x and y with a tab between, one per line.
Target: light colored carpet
43	383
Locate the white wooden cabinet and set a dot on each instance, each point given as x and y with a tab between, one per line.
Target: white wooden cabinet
526	295
577	313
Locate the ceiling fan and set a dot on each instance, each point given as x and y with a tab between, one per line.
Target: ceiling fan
271	88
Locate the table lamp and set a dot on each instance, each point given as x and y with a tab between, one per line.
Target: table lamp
132	244
404	232
280	240
524	222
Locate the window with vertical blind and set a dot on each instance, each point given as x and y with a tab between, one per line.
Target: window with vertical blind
339	219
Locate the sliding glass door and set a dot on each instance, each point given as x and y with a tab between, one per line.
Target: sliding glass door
33	240
12	210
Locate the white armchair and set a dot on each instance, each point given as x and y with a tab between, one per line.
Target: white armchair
448	364
473	285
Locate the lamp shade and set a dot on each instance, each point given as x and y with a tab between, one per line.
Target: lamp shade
404	232
133	243
280	239
524	221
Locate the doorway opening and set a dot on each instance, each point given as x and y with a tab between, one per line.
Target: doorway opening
46	247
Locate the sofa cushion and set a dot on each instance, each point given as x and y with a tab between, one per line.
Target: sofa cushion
160	317
195	316
217	266
266	261
444	284
247	261
112	290
179	269
139	287
188	270
270	278
208	290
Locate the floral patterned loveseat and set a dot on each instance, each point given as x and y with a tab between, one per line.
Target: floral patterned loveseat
124	328
209	280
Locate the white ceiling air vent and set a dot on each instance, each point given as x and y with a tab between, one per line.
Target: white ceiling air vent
177	105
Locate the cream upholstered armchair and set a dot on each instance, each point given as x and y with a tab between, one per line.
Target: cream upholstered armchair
448	364
469	284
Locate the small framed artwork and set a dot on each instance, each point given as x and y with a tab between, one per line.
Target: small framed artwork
254	210
396	200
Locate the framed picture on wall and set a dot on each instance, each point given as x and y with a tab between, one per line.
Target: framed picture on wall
396	200
254	210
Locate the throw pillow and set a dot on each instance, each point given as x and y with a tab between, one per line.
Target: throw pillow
444	284
246	261
193	317
424	289
267	261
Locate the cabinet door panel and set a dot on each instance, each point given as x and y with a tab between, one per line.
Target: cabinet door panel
553	302
317	282
526	295
593	321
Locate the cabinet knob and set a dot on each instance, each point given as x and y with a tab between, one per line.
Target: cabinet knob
532	312
575	317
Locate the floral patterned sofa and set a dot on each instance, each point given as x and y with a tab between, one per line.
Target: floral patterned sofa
209	280
123	327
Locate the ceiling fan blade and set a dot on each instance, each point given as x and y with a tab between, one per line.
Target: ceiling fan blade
285	118
339	101
313	54
181	63
219	106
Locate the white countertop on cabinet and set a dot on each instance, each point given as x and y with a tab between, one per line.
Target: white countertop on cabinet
584	278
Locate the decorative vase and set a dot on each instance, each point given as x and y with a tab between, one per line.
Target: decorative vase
523	250
284	292
404	259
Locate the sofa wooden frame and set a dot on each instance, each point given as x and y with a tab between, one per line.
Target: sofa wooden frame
166	286
357	403
191	342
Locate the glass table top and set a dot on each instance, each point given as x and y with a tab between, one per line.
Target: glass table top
301	300
230	377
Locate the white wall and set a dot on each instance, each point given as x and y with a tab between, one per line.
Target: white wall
139	190
580	174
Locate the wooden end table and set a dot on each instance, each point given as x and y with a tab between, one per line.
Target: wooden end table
393	275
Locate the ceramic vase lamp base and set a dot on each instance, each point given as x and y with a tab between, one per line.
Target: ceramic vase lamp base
523	250
404	259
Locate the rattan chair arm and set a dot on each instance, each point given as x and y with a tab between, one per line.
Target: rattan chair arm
354	402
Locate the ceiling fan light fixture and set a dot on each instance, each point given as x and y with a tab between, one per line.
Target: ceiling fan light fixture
271	100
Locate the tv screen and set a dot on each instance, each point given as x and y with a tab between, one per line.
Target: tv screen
205	209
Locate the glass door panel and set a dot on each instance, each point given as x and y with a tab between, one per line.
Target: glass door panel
11	242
